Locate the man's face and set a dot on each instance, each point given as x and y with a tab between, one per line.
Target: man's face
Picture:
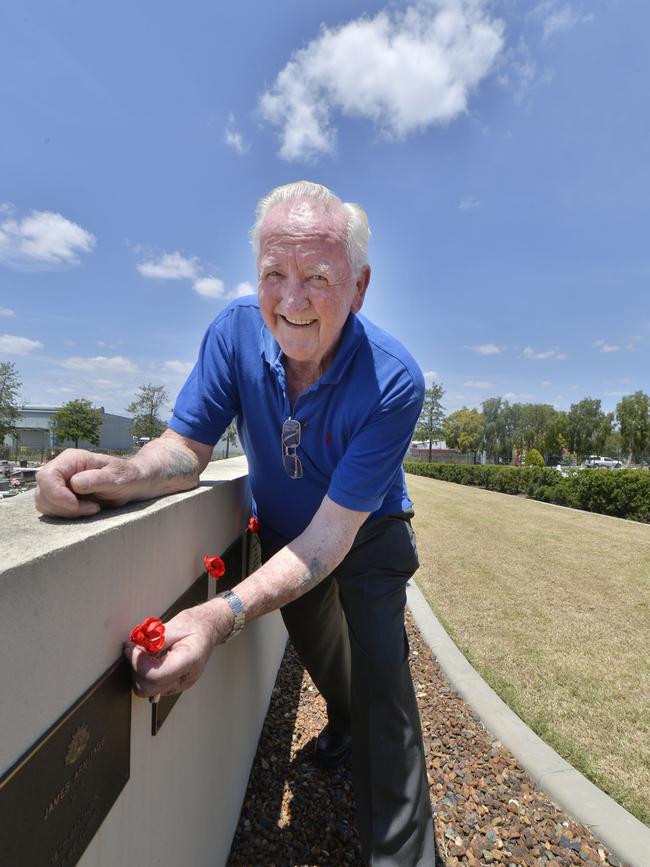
306	287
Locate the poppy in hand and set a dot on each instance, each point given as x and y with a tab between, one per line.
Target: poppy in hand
150	634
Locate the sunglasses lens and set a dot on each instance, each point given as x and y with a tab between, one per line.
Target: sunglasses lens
290	442
292	466
291	433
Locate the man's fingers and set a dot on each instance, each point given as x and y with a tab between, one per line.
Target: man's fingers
168	674
98	481
64	504
54	493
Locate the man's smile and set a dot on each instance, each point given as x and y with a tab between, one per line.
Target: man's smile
300	322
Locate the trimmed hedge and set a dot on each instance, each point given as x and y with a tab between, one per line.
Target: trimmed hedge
621	493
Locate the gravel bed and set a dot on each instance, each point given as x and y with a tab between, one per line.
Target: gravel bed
487	810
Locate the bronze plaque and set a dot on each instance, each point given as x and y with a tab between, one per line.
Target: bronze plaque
194	595
233	559
254	554
53	800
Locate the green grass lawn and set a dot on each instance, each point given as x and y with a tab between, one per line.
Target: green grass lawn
552	606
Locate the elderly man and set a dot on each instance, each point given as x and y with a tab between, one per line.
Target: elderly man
325	404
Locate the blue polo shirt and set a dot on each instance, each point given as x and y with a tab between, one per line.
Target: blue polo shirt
357	420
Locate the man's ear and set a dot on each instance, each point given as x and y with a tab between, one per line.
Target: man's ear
362	284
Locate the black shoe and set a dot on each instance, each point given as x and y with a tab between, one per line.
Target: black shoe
331	747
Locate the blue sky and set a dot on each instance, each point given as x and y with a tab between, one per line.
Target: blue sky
501	149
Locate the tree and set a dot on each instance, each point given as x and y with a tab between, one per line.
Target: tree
540	427
77	420
463	429
9	405
633	416
430	423
494	439
230	436
587	427
613	447
554	439
149	399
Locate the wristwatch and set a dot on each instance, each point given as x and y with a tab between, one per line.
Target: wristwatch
237	607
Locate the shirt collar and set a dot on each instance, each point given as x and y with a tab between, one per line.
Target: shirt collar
351	337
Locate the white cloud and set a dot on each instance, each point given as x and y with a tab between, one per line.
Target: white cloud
487	349
517	396
479	383
6	311
430	375
603	346
42	238
632	342
615	393
518	70
557	17
530	352
175	266
545	383
12	344
107	384
402	70
233	138
116	364
214	287
182	367
469	204
170	266
210	287
242	289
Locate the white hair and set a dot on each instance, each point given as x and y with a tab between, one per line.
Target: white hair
358	230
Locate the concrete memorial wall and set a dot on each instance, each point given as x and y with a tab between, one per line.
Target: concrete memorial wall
83	777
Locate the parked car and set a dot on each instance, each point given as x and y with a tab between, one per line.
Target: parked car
598	462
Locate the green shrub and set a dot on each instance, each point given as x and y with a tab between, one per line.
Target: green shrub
533	458
621	493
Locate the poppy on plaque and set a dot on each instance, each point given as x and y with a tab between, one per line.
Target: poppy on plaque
214	566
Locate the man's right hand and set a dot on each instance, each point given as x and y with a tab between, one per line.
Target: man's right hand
78	483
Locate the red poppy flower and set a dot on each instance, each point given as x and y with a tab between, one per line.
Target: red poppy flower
150	634
214	566
254	525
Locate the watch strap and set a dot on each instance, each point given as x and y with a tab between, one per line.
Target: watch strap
238	610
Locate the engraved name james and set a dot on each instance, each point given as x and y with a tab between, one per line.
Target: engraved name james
55	797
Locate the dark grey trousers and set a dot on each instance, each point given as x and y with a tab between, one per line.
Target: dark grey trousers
349	633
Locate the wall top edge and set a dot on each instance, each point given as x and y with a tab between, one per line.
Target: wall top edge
25	535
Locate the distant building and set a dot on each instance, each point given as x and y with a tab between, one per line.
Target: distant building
440	454
423	445
35	433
